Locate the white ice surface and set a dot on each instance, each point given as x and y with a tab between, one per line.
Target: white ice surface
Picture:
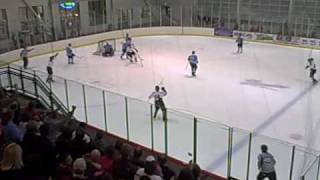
266	89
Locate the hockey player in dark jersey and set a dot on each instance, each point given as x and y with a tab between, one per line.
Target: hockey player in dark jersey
240	44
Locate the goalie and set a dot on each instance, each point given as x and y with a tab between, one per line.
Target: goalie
108	50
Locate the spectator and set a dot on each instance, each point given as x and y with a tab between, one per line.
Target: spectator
13	133
145	178
122	168
2	138
105	176
47	151
148	170
186	174
98	142
55	124
266	164
196	171
63	171
94	167
15	108
30	113
137	158
63	141
12	164
167	172
78	145
107	159
82	129
32	152
79	168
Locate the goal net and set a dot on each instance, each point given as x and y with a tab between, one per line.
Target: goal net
102	43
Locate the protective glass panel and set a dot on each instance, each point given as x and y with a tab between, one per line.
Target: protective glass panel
94	99
140	122
240	146
180	135
116	112
212	147
75	95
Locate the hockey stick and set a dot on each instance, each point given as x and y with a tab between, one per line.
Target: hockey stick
79	57
161	81
310	53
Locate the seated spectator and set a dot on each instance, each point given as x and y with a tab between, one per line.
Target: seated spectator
63	171
117	147
47	151
15	108
98	142
2	138
12	131
108	50
196	171
11	166
107	159
94	167
149	170
63	141
122	168
52	119
30	113
78	146
82	128
186	174
137	158
166	171
32	152
105	176
78	169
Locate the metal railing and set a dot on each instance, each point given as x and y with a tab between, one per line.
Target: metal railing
217	148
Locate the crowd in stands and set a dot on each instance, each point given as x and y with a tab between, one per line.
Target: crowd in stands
39	144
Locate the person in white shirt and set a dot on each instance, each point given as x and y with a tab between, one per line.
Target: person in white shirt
50	68
24	55
313	69
148	170
266	164
158	101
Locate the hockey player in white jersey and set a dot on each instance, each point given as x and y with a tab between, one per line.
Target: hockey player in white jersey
50	68
158	101
132	53
313	69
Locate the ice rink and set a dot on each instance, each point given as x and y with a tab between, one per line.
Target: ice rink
266	89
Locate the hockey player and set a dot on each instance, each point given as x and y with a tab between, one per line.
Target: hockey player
132	53
50	68
108	50
158	101
239	42
193	60
313	69
24	55
70	53
124	49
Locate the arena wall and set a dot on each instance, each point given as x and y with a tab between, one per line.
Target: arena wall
41	49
